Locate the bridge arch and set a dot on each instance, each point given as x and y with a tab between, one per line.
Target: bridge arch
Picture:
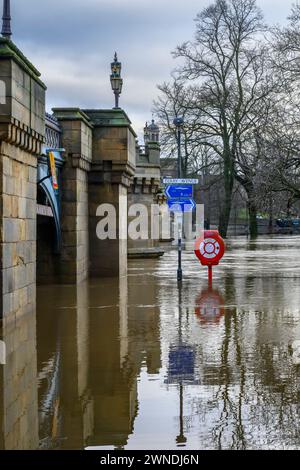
49	238
52	197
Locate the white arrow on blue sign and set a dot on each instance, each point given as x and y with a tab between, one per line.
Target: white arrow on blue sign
179	191
182	205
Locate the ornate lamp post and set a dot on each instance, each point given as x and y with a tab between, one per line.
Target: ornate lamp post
178	123
116	80
6	27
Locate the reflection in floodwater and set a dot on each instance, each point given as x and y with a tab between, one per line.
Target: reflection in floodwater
18	384
89	364
210	306
141	364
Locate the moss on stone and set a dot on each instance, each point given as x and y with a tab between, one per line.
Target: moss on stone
9	50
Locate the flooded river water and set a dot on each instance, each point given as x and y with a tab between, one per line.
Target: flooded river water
141	364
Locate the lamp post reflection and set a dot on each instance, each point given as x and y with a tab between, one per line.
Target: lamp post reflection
181	369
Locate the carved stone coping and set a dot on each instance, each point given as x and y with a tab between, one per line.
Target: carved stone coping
72	114
20	135
148	165
109	118
145	185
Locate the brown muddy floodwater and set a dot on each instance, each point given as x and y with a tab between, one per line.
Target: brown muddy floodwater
140	364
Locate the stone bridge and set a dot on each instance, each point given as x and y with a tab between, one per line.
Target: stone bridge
48	233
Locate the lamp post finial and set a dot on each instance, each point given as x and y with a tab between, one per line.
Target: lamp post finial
6	20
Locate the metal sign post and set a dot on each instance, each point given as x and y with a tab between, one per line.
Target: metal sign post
180	226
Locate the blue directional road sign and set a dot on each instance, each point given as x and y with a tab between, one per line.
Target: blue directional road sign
179	191
181	205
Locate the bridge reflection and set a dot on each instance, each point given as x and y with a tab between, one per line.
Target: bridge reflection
90	353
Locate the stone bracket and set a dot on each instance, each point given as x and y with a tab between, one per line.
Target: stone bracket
20	135
79	161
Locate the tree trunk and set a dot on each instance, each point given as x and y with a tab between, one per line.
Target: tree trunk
271	221
228	188
288	209
253	227
225	214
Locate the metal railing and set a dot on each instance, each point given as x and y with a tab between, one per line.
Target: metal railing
52	132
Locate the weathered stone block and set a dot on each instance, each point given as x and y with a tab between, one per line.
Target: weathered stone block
11	230
30	229
8	280
32	175
9	185
7	256
7	166
69	238
7	303
7	205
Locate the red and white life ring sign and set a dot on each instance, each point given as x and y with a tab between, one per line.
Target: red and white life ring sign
210	249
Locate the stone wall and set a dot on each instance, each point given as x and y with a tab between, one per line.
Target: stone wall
22	118
18	230
77	142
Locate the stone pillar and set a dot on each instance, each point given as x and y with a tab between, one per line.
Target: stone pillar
22	129
77	142
113	165
143	190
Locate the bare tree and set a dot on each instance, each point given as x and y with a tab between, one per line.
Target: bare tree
175	100
288	46
224	64
238	94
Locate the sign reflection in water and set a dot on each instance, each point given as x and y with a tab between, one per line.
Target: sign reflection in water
210	306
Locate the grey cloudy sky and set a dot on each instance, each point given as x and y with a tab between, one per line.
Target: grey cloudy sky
72	43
